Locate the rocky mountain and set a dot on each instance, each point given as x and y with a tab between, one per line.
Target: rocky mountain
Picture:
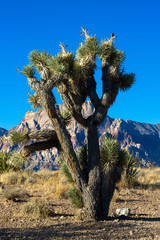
141	138
2	131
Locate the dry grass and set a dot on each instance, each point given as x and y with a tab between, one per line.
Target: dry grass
145	178
13	178
46	190
116	196
149	177
53	185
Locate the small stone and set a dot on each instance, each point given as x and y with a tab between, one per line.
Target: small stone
122	212
13	220
131	233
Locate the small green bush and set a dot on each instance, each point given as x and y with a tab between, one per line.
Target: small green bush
64	169
130	169
38	208
4	165
75	197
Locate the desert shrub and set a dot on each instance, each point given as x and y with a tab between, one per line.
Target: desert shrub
4	165
12	178
38	208
75	197
15	195
129	177
11	161
16	161
73	193
131	163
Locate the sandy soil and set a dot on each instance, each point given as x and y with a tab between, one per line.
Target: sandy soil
143	223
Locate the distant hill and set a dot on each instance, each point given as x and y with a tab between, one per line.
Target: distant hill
141	138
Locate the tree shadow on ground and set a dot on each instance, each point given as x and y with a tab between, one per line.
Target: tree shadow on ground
81	230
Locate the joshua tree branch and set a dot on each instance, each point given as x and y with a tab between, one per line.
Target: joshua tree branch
42	134
91	89
106	97
75	109
34	83
38	146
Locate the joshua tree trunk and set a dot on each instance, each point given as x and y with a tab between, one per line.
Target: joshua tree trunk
92	195
91	190
108	183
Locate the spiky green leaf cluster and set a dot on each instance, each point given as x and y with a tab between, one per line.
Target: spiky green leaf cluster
109	151
28	71
62	64
16	161
4	166
75	197
38	58
66	117
131	168
111	54
10	161
34	100
126	81
81	70
90	47
111	154
130	161
18	137
64	169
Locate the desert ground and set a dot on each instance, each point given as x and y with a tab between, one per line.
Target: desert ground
67	222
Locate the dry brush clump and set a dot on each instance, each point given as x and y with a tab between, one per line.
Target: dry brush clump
38	208
16	194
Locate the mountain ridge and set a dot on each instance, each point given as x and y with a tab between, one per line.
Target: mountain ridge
141	138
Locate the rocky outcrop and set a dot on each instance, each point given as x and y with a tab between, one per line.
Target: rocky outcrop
141	138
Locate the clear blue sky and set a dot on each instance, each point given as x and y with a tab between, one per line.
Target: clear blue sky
29	25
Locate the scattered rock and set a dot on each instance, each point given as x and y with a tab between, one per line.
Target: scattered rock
122	212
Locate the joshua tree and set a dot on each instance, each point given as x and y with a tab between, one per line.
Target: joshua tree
73	77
